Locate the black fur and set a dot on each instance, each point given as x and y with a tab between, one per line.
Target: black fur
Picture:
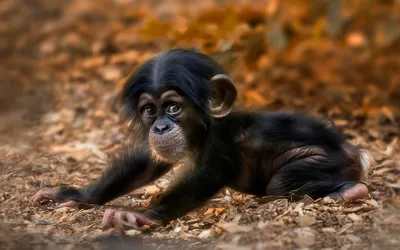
185	71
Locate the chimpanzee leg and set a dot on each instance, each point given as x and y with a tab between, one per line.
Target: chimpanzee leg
351	191
304	177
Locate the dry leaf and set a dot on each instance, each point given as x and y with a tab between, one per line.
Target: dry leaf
110	73
220	209
345	247
255	97
226	246
356	40
305	237
205	234
344	228
306	220
233	227
132	232
93	62
389	113
329	230
237	197
354	217
81	50
64	209
353	238
209	211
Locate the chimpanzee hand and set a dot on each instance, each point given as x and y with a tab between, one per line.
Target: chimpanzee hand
124	220
46	194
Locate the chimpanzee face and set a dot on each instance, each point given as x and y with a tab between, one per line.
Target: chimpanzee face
165	117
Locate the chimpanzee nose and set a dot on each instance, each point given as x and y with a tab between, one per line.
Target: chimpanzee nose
161	128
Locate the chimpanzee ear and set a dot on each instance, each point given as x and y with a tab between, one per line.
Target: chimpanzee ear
224	95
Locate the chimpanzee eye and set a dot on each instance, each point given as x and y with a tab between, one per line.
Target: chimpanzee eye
150	111
174	109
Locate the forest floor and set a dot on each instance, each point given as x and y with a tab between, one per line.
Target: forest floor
63	63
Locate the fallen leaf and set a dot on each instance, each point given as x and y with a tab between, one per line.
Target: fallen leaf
353	238
255	97
209	211
133	232
205	234
237	197
305	237
227	246
356	40
354	217
44	220
126	57
389	113
345	247
345	228
64	209
329	230
306	220
233	227
93	62
110	73
220	209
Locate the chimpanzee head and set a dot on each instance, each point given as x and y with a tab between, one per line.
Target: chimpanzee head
173	99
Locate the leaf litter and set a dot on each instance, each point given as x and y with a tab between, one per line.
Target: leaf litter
63	124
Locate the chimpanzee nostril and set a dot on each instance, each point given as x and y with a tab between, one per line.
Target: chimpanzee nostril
161	128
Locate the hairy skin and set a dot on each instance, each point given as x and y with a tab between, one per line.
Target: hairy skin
180	107
165	147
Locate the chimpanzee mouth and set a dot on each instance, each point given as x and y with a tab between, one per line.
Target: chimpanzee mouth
167	142
170	148
163	147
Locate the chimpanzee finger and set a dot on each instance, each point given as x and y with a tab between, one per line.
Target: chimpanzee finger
119	221
136	222
108	219
69	203
123	220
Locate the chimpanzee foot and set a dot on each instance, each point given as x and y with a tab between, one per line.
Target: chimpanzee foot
351	193
358	191
124	220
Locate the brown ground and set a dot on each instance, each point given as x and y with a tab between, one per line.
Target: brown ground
63	62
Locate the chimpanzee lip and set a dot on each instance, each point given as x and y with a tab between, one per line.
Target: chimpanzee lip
160	144
163	147
166	142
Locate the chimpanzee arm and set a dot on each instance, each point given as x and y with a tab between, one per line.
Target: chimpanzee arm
129	171
193	189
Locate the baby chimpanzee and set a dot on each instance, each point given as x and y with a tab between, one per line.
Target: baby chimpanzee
180	107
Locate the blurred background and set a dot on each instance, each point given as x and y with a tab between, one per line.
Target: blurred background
326	56
63	62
